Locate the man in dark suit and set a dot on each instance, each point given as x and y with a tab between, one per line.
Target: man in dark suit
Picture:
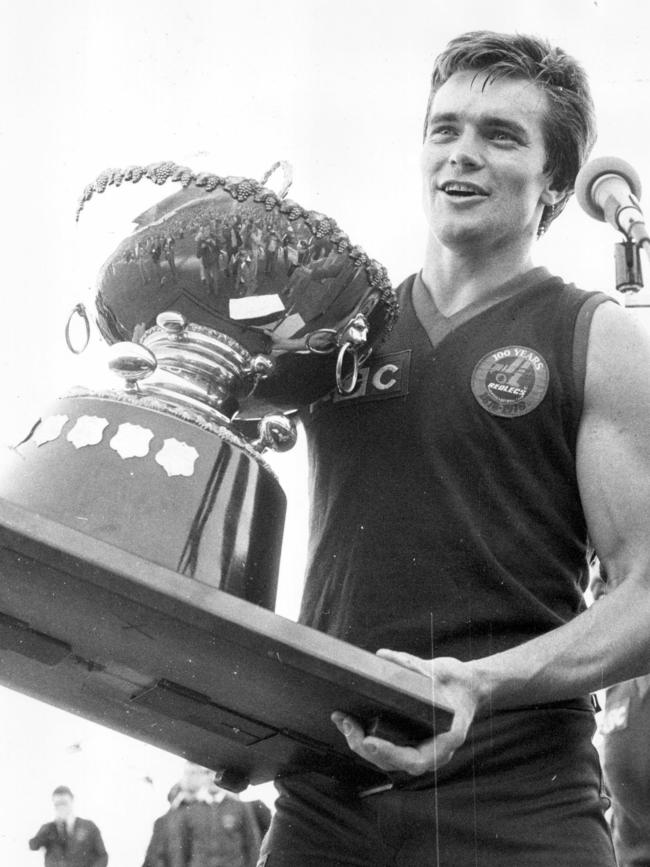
156	854
69	841
207	827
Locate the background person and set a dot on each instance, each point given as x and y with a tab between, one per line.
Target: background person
69	841
155	855
208	827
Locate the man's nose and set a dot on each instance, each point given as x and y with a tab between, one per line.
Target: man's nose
466	151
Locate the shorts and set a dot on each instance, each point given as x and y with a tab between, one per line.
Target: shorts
524	791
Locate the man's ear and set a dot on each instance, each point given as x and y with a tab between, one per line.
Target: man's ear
552	197
553	202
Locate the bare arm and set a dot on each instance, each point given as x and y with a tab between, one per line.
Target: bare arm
611	641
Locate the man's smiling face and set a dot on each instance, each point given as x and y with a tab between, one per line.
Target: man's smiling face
483	162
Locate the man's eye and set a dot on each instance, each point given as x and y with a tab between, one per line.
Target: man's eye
503	135
441	132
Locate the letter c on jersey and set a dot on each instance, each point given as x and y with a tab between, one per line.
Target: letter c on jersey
378	380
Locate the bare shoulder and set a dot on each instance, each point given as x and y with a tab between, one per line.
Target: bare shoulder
618	361
613	454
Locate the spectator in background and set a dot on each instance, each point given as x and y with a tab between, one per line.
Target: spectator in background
69	841
156	850
625	754
208	827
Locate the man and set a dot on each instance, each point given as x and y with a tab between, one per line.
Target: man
502	424
69	841
625	732
207	253
156	854
206	827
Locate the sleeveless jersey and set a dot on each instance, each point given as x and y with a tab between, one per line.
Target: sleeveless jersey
446	518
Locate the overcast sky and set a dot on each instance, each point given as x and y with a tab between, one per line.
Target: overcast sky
338	89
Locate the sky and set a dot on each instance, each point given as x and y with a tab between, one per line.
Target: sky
338	89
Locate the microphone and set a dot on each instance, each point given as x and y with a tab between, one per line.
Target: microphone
608	189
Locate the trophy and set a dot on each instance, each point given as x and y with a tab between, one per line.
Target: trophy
140	523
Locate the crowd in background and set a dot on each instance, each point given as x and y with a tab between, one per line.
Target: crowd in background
204	826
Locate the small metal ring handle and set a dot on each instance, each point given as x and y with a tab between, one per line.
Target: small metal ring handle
319	332
342	388
287	170
79	310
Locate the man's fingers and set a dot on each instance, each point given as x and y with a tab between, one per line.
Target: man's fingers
428	756
355	736
404	659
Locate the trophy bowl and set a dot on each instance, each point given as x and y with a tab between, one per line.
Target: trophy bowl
230	284
225	308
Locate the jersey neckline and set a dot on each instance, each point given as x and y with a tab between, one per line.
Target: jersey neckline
437	325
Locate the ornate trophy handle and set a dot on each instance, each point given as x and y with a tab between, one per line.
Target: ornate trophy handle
79	310
277	432
347	384
287	171
352	339
329	341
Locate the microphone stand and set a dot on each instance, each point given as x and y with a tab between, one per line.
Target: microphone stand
629	276
627	261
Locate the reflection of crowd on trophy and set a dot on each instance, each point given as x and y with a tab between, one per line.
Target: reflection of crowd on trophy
235	252
223	253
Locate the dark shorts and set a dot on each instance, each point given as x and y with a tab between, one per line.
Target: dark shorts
525	791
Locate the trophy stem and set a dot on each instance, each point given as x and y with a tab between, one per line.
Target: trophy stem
190	366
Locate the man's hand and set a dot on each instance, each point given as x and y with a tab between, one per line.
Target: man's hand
453	685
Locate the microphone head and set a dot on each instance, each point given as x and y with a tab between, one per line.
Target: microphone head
595	169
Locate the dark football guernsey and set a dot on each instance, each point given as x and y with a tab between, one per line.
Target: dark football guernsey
446	518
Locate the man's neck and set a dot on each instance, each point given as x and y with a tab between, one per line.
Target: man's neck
69	822
458	278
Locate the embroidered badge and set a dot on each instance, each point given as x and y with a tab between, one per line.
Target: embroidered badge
229	821
385	376
510	381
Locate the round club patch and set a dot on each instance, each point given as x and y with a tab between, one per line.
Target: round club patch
510	381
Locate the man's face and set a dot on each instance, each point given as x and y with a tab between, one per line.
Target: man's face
195	778
483	162
62	807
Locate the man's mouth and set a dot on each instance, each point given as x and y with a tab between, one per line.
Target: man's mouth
462	189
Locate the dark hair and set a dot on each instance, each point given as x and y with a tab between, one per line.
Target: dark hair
569	127
62	790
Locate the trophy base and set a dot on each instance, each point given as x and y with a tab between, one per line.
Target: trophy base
193	497
106	634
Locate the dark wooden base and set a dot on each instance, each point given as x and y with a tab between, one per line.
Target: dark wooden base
165	658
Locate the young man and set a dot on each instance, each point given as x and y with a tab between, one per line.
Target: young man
502	424
69	841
